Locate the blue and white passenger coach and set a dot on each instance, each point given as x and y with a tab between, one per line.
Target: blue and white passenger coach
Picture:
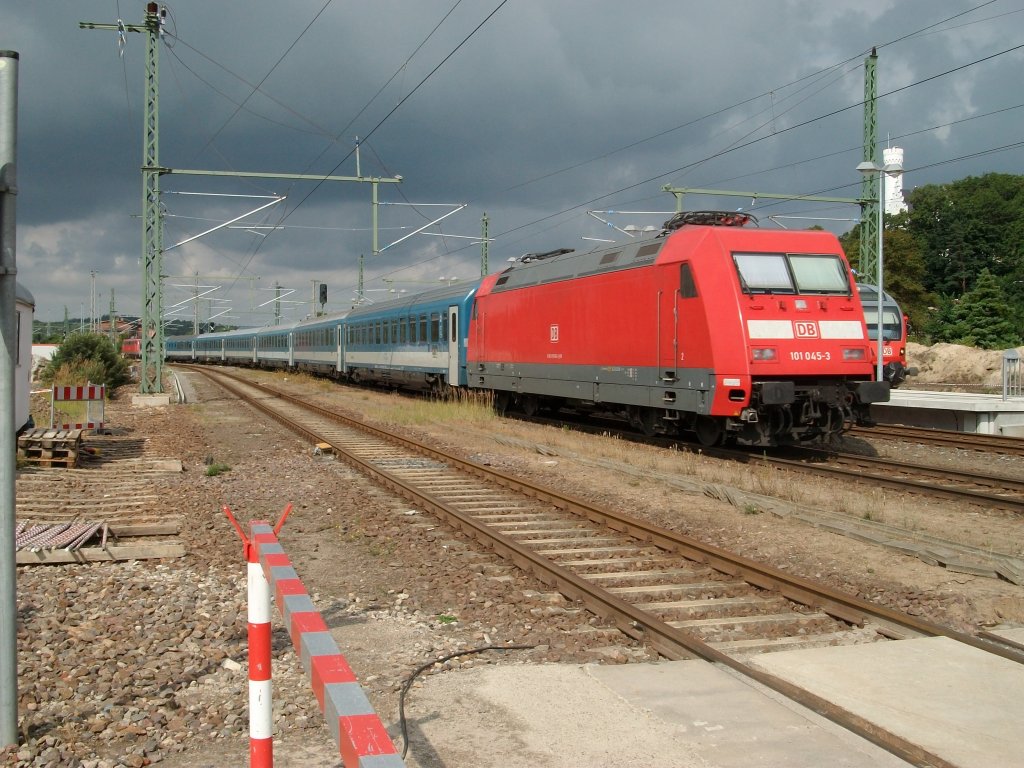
417	342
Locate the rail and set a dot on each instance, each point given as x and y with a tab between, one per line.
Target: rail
667	639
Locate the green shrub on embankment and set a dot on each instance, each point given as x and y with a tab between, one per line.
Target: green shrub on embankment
86	358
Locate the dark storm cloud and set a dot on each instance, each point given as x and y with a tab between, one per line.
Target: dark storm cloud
548	109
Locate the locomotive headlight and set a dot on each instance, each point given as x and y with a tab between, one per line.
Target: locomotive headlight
763	354
854	353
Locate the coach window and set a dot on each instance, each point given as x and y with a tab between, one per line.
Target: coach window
394	330
387	331
403	330
435	327
423	329
687	288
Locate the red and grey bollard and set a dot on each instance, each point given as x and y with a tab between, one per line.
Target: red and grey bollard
261	725
261	709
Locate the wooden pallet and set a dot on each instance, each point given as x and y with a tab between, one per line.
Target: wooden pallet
53	447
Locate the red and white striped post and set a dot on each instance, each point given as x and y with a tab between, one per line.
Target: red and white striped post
261	705
261	723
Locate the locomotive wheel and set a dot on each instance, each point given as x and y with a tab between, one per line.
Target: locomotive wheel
530	405
501	402
648	421
709	431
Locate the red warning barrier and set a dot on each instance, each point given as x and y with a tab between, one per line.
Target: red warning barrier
90	394
357	730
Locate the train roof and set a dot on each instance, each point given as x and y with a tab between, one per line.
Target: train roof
22	294
455	291
567	263
869	292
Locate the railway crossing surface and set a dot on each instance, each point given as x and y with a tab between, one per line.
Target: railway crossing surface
958	703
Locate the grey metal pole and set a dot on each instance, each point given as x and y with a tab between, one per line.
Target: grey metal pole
8	350
881	227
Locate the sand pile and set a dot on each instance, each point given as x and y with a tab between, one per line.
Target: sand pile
957	365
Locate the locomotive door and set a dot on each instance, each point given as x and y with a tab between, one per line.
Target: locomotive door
453	346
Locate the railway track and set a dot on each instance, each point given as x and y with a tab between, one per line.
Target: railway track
975	488
681	597
978	489
1002	444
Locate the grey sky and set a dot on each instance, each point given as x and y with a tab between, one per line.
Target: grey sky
541	112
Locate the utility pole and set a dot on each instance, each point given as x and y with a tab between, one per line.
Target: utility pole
359	291
92	301
8	444
151	321
113	320
277	303
483	246
67	322
869	187
151	330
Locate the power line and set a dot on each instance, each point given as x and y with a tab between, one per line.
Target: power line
261	82
743	102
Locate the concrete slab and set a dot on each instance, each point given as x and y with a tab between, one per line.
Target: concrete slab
150	401
681	714
958	411
956	701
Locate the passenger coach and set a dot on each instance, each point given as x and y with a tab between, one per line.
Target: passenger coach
416	342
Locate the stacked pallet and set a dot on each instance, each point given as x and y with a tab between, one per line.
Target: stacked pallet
52	447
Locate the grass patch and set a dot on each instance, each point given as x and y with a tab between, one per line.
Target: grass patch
465	407
216	468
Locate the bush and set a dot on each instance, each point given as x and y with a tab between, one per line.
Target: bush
86	358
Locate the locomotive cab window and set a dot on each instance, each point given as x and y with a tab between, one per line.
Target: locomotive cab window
803	273
819	273
892	323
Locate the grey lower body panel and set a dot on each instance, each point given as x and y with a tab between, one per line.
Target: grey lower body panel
691	390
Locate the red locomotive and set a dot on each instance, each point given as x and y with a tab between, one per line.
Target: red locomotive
731	332
131	347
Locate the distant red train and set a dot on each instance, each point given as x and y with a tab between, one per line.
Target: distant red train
131	347
731	332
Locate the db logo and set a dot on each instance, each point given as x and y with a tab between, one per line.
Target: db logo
806	330
554	334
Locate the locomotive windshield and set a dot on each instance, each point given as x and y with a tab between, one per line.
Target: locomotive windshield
791	273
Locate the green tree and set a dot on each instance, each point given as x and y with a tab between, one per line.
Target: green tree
980	318
968	226
86	358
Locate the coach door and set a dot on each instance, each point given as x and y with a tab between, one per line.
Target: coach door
453	346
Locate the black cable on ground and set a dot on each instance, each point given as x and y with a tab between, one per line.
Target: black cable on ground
408	683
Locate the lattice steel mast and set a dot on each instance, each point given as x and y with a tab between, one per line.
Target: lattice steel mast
151	327
869	188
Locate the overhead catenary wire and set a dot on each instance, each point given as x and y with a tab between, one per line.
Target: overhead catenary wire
932	30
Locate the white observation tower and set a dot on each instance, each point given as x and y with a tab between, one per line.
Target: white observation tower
894	184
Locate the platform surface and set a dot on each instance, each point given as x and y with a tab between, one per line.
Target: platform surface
953	401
